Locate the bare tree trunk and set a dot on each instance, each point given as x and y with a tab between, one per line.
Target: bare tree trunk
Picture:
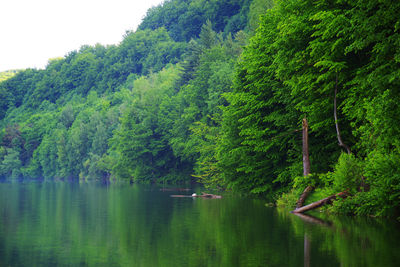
306	157
306	165
320	203
341	143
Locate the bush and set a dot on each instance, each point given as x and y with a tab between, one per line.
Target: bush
347	175
301	182
288	200
383	175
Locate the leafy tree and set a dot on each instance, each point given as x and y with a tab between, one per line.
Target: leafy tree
11	164
256	10
184	19
144	153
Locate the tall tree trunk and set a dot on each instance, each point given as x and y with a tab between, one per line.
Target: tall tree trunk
341	143
306	156
306	165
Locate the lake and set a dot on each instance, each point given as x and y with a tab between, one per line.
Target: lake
93	224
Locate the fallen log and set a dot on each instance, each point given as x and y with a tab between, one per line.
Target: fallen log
320	203
203	195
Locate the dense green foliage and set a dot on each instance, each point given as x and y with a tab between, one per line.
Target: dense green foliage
302	53
177	100
183	19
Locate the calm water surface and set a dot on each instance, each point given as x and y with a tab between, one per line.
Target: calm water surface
92	224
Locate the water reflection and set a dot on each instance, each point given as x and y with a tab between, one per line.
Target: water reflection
95	224
355	241
307	251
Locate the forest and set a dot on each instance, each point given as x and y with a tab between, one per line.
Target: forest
215	92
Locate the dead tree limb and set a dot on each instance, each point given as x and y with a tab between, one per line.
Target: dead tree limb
203	195
339	136
303	196
320	203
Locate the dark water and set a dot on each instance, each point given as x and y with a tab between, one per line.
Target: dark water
89	224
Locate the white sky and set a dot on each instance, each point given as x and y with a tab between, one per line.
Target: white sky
33	31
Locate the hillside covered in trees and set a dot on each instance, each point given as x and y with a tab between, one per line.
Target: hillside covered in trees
215	92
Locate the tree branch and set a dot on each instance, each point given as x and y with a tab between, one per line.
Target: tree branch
341	143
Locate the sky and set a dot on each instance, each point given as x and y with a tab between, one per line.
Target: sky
34	31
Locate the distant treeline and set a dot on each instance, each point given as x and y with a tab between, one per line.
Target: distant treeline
7	74
215	92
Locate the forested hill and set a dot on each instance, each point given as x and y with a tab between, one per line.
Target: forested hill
212	92
183	19
7	74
